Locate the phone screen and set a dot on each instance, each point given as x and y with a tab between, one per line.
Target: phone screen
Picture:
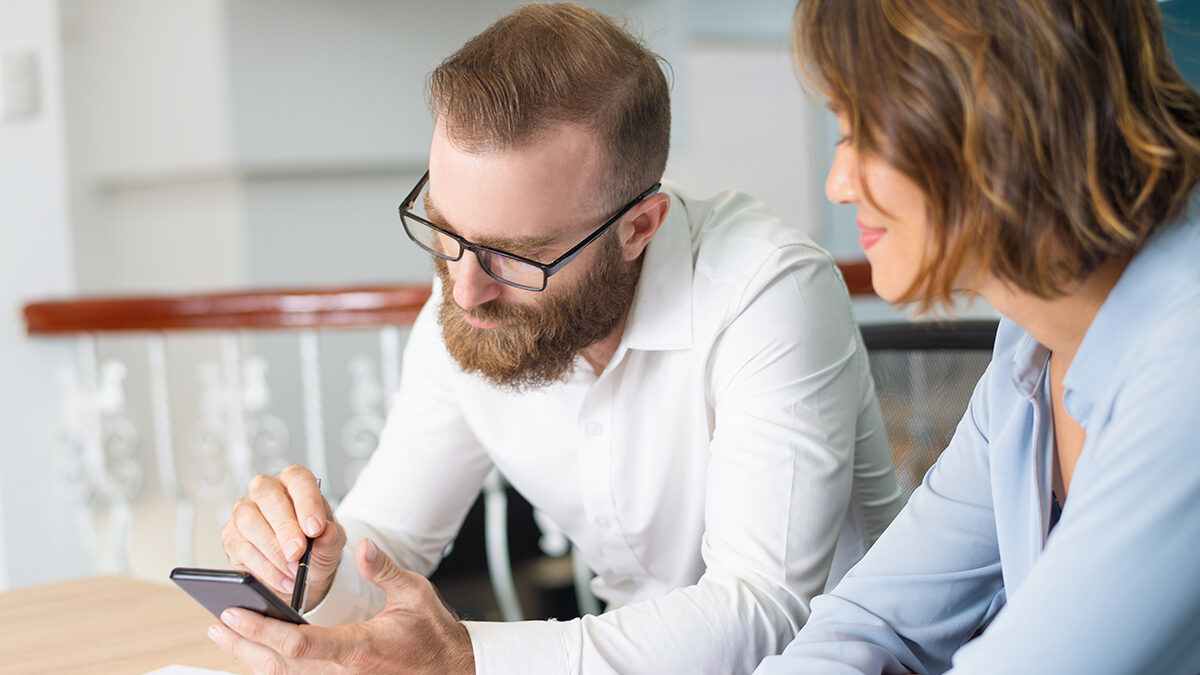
219	590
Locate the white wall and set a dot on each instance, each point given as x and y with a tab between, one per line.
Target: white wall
155	201
335	84
750	128
37	540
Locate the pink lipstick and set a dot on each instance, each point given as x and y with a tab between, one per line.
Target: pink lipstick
869	236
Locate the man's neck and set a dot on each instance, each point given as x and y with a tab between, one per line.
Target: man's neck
598	354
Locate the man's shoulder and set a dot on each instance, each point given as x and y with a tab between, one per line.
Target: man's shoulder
732	231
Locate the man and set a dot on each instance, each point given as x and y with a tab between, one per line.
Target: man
677	383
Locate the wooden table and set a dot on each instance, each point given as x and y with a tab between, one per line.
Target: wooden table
105	625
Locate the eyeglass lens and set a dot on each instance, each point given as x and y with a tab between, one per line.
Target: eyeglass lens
500	266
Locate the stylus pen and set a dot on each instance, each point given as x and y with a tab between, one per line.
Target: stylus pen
300	591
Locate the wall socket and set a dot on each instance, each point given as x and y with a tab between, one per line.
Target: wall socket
20	87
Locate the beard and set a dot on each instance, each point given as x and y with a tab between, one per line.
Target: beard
537	344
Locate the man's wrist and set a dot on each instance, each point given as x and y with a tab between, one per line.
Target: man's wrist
462	661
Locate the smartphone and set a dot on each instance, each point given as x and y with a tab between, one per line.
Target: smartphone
219	590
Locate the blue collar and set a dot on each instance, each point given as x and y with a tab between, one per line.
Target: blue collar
1133	308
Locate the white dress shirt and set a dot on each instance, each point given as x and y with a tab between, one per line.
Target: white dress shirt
727	464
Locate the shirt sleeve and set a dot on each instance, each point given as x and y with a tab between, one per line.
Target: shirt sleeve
786	387
1117	588
416	489
929	582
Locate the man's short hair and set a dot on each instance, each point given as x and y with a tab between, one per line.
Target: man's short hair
545	65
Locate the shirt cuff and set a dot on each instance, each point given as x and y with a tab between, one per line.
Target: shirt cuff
518	647
350	598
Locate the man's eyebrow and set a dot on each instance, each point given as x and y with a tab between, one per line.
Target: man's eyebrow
501	243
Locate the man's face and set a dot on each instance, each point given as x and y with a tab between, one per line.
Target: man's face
536	202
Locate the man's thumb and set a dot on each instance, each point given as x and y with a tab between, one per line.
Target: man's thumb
379	569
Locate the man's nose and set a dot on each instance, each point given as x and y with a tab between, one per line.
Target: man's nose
472	284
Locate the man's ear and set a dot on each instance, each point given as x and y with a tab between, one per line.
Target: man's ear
638	226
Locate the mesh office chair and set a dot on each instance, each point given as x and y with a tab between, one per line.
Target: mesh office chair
924	375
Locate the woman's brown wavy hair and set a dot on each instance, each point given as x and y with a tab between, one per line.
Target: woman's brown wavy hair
1049	136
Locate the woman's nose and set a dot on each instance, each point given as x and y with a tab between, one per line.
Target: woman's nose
841	185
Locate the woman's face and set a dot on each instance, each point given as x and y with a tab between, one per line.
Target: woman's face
893	228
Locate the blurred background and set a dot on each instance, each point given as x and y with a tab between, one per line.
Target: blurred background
151	146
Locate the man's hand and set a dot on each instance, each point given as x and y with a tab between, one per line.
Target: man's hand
414	633
266	534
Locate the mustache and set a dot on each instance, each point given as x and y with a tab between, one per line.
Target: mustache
492	311
497	312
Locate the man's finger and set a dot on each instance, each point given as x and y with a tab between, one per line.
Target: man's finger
309	509
287	639
399	584
252	531
327	548
274	500
246	558
260	659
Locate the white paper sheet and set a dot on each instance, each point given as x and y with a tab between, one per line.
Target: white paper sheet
187	670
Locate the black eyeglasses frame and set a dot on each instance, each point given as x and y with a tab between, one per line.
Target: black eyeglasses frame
548	269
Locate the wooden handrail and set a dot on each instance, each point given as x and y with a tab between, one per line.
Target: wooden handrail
857	274
361	306
261	309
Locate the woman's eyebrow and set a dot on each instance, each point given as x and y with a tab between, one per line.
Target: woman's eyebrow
502	243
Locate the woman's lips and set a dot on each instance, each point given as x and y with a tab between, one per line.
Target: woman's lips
869	236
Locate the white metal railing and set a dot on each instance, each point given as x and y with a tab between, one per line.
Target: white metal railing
210	453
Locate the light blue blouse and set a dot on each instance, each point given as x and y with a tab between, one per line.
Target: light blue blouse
1116	587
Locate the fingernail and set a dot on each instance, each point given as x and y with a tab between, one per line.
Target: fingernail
290	548
294	567
213	633
289	584
230	618
312	526
372	551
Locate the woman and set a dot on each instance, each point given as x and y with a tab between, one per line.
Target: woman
1041	154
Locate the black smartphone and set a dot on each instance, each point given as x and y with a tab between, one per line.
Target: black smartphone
219	590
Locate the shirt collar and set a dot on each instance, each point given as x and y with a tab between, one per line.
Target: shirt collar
1029	363
661	315
1130	310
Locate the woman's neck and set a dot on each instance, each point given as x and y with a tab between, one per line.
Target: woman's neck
1058	323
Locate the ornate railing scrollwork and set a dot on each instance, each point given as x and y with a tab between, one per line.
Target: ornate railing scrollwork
234	433
360	434
99	450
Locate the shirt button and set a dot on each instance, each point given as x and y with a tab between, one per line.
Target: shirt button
594	428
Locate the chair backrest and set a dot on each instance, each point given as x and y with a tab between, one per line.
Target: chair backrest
924	375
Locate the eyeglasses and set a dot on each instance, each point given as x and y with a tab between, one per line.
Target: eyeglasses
507	268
